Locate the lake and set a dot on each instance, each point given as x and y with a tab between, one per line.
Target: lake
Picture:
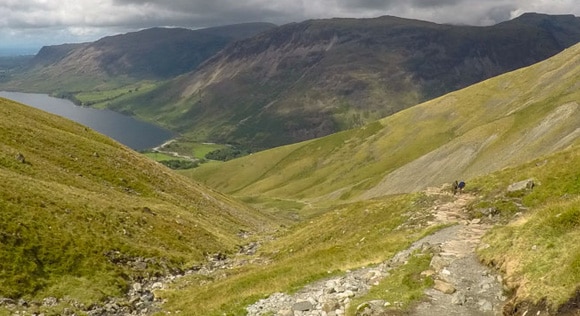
129	131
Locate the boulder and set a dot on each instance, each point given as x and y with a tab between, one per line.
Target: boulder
527	184
137	287
330	306
438	263
444	287
7	301
20	158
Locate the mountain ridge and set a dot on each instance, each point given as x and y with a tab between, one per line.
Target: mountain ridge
305	80
118	60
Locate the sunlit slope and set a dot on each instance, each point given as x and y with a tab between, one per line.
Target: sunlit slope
503	121
539	250
73	201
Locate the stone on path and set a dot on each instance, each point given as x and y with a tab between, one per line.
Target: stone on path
330	306
438	263
285	312
302	306
458	299
444	287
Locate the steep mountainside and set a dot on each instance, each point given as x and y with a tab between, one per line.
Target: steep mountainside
82	216
500	122
310	79
49	55
157	53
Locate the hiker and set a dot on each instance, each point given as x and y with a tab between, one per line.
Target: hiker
461	185
454	187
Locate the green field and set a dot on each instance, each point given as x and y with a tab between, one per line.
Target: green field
161	156
100	98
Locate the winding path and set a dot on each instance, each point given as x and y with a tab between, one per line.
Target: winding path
463	286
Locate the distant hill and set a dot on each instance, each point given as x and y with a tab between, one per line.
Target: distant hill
150	54
49	55
80	210
310	79
503	121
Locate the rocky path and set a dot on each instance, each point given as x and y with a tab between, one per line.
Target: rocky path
462	285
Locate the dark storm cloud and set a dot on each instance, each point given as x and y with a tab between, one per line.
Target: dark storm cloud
54	22
219	12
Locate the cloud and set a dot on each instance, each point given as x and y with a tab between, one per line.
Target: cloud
433	3
53	22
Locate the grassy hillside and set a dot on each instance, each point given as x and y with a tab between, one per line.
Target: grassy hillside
503	121
306	80
534	245
538	251
77	208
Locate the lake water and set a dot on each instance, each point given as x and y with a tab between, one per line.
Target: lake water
129	131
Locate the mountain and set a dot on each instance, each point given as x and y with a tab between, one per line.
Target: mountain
150	54
83	216
49	55
503	121
305	80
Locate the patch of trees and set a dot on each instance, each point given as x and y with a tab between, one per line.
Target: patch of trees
68	96
225	154
177	164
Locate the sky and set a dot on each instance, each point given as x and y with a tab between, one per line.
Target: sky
27	25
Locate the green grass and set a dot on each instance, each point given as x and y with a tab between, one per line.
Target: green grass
343	238
101	98
79	196
403	287
290	211
159	156
538	250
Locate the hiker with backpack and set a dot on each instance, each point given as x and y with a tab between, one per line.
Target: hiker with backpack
460	186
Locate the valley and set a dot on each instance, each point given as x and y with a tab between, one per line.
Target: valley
282	85
340	140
